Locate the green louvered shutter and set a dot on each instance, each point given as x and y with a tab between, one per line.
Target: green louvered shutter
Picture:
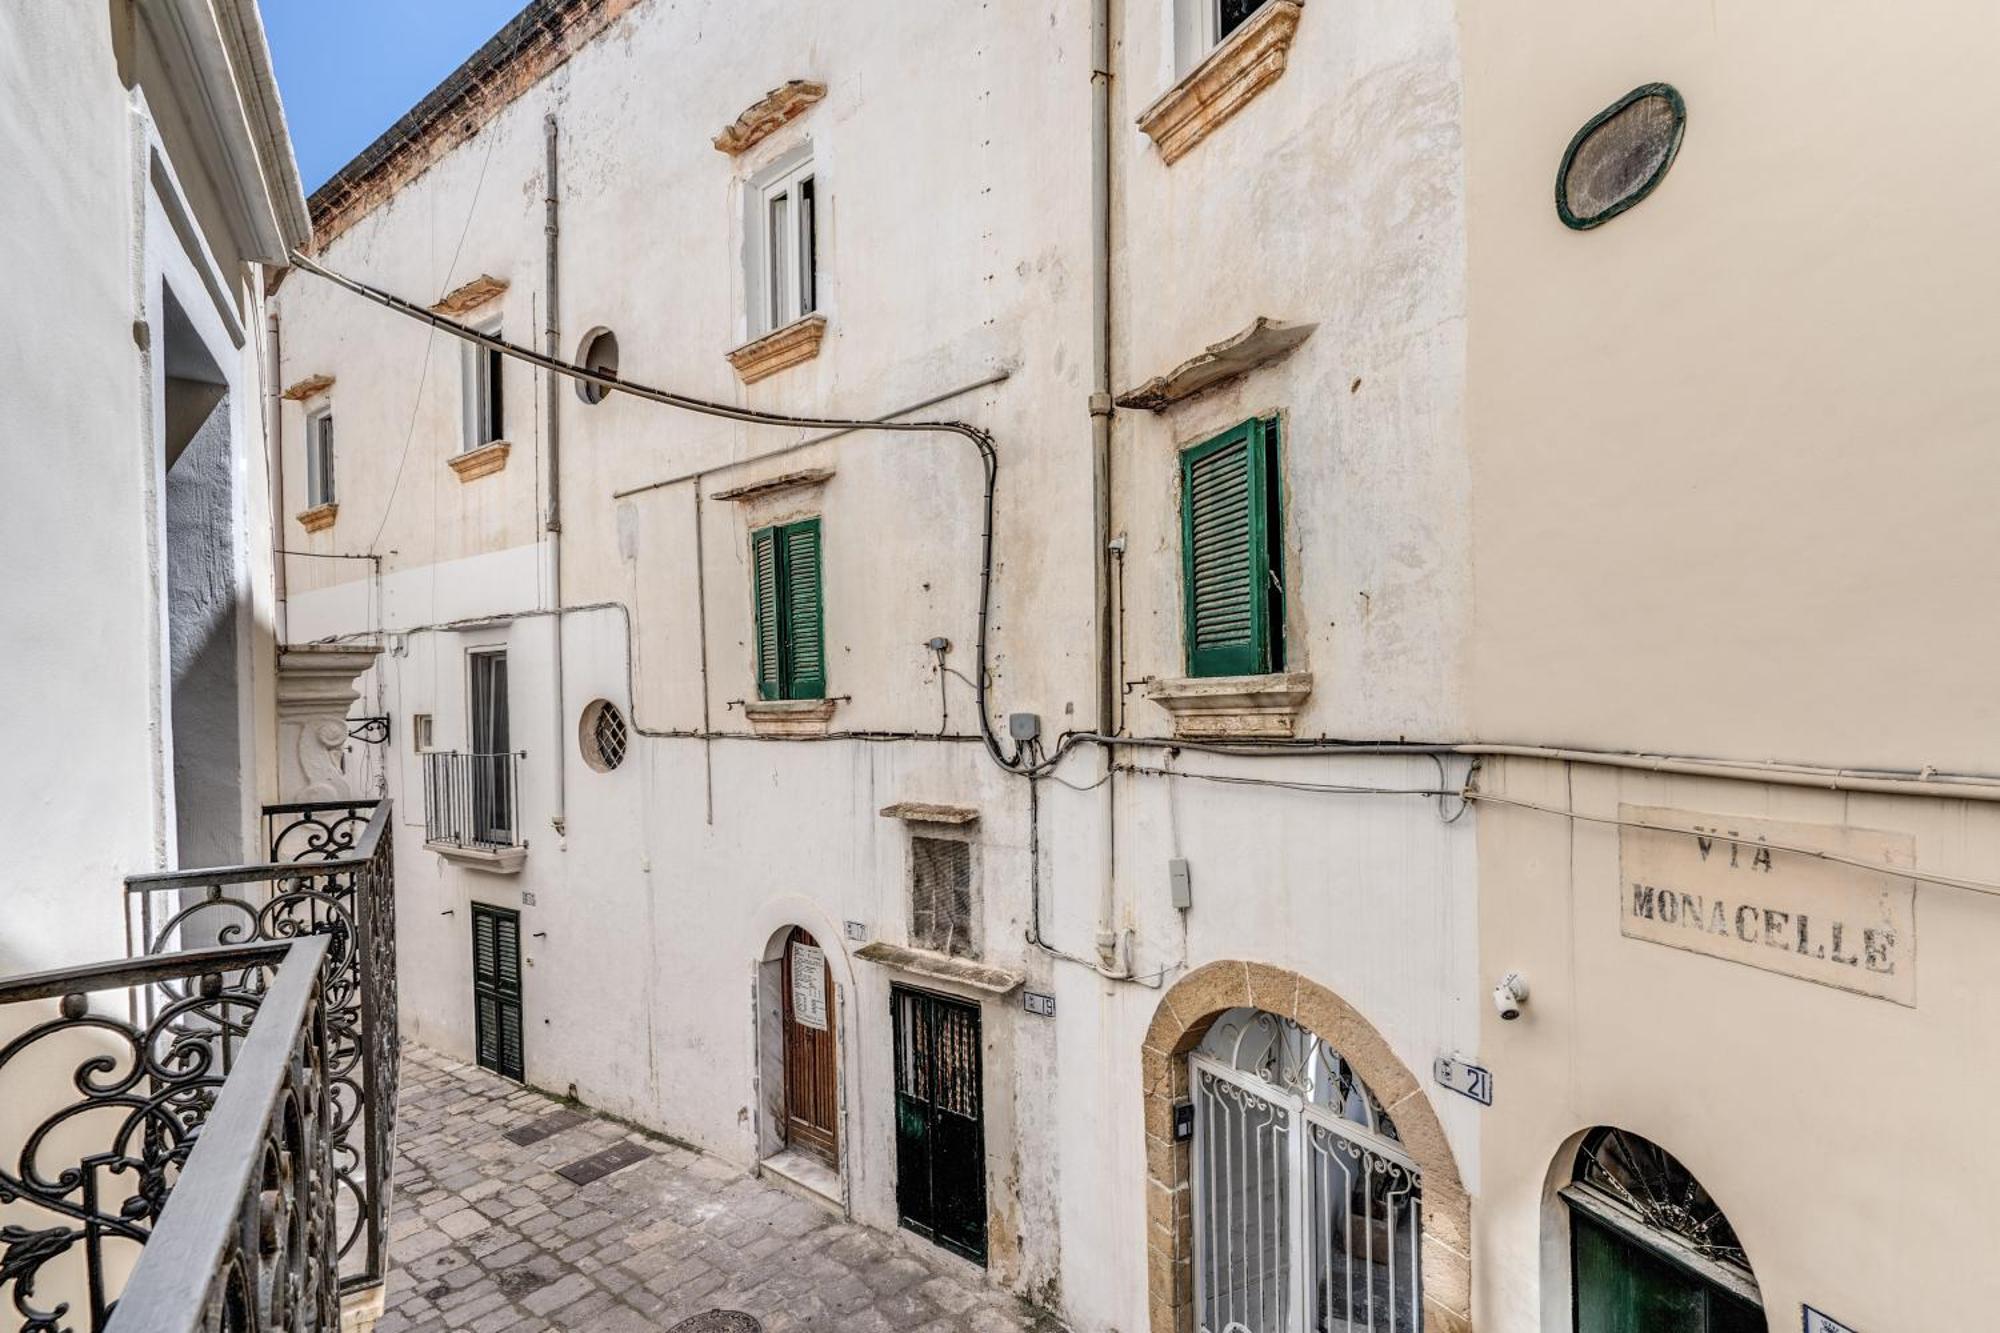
805	649
1228	510
496	989
764	577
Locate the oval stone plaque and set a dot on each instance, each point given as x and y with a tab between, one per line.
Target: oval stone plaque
1619	156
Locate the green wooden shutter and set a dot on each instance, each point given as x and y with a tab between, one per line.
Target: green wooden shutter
764	579
1227	508
805	649
485	968
496	989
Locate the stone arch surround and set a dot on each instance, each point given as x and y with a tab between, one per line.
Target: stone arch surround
1183	1018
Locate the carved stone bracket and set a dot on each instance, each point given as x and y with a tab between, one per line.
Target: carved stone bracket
310	387
1259	343
1247	62
319	518
316	687
762	118
1233	707
469	296
779	350
481	462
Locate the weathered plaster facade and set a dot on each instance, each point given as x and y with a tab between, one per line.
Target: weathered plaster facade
1540	490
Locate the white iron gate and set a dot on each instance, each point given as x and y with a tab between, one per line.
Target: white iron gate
1304	1222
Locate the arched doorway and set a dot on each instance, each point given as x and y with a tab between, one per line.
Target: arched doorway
1326	1077
1650	1251
811	1068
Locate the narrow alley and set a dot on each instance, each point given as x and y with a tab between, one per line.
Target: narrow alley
498	1236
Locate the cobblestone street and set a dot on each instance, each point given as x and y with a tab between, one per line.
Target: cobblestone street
490	1237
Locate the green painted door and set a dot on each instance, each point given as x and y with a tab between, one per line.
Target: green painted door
496	989
940	1121
1625	1287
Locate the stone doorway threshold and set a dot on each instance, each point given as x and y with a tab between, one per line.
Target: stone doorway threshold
804	1175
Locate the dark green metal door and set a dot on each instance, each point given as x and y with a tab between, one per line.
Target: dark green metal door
1624	1287
940	1129
496	989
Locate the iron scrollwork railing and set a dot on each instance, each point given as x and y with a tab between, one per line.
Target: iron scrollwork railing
193	1136
332	874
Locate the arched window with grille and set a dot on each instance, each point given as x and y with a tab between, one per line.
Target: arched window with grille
1307	1211
1650	1252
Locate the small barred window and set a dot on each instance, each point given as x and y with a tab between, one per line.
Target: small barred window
602	736
941	896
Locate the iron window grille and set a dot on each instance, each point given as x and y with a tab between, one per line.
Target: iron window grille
603	736
941	896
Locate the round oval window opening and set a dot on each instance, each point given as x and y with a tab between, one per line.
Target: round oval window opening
1620	156
601	735
599	353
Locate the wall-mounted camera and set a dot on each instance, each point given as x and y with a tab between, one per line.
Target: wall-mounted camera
1510	997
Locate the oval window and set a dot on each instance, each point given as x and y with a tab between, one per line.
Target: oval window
1619	156
601	735
598	353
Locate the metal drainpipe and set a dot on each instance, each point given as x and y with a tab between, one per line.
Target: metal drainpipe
552	345
274	449
1100	448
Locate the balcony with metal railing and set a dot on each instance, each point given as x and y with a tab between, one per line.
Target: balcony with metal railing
201	1137
472	809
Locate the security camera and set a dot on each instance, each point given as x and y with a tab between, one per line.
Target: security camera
1511	996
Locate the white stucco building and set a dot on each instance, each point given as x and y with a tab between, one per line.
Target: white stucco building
151	178
1364	502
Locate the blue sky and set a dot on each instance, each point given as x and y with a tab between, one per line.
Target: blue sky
349	69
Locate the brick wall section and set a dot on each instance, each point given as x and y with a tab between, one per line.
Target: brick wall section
1182	1020
539	39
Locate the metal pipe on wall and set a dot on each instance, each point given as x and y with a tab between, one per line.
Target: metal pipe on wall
552	334
274	452
1100	452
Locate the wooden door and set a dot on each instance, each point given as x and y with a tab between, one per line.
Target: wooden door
812	1081
940	1121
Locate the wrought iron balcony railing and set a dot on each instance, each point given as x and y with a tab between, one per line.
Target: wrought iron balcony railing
331	874
470	800
175	1163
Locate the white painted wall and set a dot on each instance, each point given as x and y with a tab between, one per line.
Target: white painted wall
955	244
104	155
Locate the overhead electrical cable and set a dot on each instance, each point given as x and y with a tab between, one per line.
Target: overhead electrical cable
982	441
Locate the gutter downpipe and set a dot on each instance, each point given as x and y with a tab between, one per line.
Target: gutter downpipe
1100	449
274	451
553	526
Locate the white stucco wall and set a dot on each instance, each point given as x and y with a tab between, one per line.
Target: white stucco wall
96	137
955	245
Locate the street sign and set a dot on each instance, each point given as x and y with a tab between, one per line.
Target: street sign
1815	1322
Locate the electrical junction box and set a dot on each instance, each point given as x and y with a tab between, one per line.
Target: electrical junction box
1024	726
1179	883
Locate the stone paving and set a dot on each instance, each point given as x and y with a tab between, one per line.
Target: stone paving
488	1237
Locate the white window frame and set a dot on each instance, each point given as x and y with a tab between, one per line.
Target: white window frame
476	368
1197	31
320	484
782	242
